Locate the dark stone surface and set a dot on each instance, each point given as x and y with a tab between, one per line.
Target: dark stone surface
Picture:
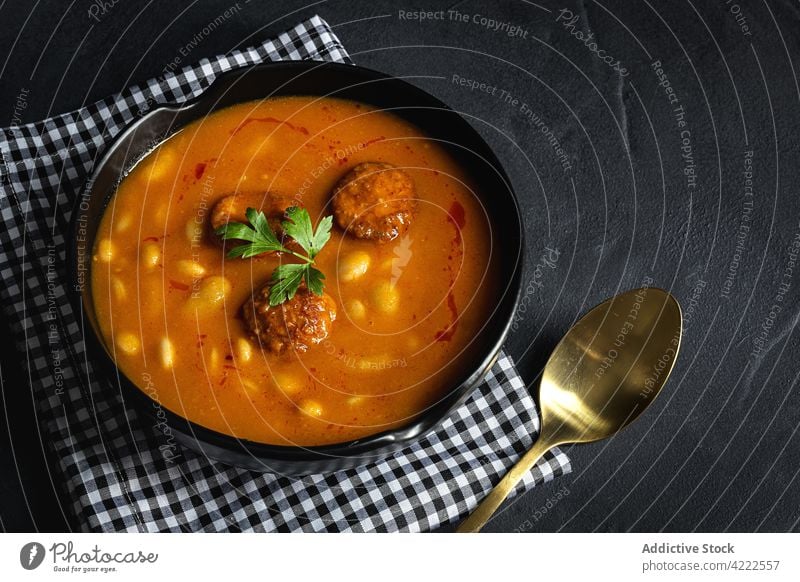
719	450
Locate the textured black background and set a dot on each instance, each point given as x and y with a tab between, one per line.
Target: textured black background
719	450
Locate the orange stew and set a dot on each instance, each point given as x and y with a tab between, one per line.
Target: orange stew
170	303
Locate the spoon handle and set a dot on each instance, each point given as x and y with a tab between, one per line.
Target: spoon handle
496	496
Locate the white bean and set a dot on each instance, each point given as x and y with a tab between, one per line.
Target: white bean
208	296
213	289
386	298
190	268
355	309
105	250
161	162
311	407
353	266
250	386
150	255
287	383
212	361
167	353
244	350
194	230
118	289
122	223
128	343
261	146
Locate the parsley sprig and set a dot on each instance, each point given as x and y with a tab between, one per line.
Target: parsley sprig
260	238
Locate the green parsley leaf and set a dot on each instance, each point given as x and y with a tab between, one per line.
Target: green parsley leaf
247	251
262	227
323	233
300	229
237	231
314	280
286	280
260	238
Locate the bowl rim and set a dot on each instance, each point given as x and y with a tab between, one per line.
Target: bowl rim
378	444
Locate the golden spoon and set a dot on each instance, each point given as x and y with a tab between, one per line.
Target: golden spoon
607	369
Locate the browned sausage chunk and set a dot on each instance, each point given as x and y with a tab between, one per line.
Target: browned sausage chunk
374	201
232	208
299	323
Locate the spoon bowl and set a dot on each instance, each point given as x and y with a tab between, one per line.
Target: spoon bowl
601	376
610	366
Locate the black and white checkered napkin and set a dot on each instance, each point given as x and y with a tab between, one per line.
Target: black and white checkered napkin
108	459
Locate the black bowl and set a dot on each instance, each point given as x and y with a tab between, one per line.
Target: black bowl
317	79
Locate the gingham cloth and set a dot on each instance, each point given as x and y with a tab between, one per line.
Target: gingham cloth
107	457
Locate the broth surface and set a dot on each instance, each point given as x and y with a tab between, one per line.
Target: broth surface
169	303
